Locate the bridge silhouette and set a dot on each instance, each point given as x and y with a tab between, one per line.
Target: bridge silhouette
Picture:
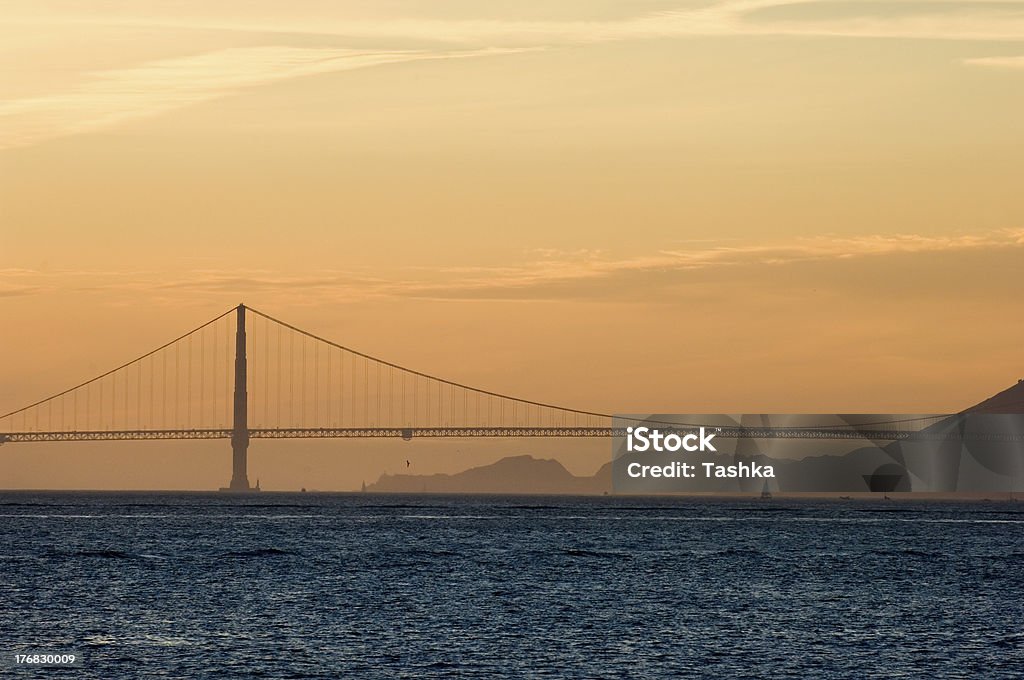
247	375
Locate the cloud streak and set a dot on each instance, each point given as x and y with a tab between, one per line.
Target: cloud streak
1016	63
109	98
554	275
941	20
105	99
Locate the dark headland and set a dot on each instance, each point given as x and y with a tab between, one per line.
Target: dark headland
513	475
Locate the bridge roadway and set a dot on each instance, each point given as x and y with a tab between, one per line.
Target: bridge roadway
733	432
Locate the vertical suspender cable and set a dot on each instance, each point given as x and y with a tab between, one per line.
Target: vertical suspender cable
113	402
177	380
188	388
291	379
278	381
214	376
228	372
138	395
302	386
316	383
266	372
202	375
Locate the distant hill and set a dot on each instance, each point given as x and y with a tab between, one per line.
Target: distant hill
1010	400
512	475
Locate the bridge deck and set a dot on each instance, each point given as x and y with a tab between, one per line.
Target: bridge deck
503	432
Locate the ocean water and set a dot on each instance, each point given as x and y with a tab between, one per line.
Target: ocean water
151	585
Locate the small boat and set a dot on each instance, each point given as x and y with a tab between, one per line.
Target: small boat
765	493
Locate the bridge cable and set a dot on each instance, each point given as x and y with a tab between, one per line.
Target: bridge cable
115	370
428	376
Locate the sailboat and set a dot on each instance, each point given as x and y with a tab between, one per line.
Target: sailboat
765	493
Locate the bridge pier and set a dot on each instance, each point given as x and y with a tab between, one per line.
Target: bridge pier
240	428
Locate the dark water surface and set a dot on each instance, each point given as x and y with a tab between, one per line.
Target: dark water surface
317	585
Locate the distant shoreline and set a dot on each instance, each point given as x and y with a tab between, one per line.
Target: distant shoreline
918	496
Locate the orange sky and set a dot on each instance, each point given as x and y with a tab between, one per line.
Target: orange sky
715	206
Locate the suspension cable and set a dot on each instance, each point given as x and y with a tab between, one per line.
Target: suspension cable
115	370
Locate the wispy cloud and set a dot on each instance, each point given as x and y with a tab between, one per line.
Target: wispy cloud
108	98
940	20
552	274
9	290
105	99
999	20
997	62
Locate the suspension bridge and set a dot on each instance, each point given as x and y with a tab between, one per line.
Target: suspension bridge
247	375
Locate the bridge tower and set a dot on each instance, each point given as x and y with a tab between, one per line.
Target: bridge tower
240	429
